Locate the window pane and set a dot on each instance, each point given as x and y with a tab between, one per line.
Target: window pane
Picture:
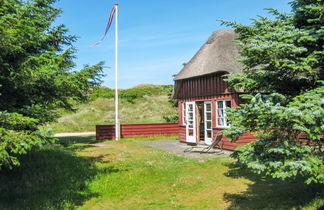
228	104
219	104
227	123
190	132
208	134
208	107
220	121
208	125
208	116
220	113
191	107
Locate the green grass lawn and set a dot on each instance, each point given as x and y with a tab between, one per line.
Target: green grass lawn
128	175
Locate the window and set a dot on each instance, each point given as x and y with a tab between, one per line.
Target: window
183	113
221	120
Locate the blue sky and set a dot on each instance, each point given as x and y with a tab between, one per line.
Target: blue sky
155	36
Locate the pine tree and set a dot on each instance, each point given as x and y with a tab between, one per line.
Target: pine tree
36	74
283	78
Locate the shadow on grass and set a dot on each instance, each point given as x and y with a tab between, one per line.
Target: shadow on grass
268	193
49	178
79	140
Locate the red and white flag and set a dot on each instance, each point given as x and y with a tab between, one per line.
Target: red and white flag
111	17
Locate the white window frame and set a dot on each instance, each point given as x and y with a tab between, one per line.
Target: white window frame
226	125
183	110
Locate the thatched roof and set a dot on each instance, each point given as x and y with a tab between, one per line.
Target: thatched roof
218	54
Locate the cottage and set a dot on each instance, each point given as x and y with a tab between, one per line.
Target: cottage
204	95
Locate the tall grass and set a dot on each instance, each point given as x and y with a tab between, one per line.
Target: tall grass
148	109
131	94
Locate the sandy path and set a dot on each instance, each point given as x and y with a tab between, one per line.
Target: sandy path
75	134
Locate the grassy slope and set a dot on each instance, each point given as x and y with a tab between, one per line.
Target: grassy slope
127	175
149	109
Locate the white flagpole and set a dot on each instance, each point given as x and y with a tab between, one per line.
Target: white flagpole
116	76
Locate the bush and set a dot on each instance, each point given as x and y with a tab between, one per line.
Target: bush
18	135
173	118
132	94
102	92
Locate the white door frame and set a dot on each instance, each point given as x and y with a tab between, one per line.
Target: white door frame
190	122
208	140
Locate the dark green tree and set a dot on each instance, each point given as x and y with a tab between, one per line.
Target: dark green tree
283	78
36	76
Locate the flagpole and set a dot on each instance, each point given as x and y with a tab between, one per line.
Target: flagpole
116	76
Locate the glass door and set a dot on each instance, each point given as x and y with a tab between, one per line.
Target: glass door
208	122
190	122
